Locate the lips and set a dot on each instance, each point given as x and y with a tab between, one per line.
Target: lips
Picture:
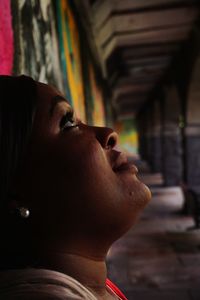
127	167
121	165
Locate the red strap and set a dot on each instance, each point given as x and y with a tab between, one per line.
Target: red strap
115	289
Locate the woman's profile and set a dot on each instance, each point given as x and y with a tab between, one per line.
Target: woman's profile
66	194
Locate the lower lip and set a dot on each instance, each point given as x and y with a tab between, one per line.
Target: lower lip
127	167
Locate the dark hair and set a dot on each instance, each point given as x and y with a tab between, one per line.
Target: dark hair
17	108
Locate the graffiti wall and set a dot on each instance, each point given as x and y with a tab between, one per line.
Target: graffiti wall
35	36
41	38
98	113
6	38
70	56
128	137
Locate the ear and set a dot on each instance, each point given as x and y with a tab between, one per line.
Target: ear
16	208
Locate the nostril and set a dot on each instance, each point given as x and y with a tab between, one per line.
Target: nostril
112	141
107	138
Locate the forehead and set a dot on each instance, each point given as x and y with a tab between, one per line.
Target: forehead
48	95
47	99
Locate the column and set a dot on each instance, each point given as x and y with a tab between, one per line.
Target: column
172	141
156	144
192	131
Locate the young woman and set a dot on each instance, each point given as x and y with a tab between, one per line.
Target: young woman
67	193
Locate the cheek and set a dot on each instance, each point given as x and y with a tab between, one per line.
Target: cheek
84	162
81	170
136	191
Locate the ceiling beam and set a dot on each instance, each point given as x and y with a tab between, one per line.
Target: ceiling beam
148	51
143	4
129	108
146	38
148	61
102	10
125	115
143	71
130	98
138	22
149	76
116	65
123	90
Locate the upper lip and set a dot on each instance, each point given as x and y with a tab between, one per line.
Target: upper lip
122	163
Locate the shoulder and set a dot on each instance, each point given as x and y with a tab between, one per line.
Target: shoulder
40	284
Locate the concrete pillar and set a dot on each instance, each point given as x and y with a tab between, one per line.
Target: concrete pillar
150	139
172	140
149	134
192	130
142	122
155	138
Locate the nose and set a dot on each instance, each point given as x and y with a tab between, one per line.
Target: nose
107	137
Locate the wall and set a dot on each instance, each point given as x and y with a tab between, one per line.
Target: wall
70	56
193	110
35	41
128	137
6	38
98	112
43	39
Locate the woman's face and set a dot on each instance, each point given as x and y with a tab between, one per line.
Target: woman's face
78	185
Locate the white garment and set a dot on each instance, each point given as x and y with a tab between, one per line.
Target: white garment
41	284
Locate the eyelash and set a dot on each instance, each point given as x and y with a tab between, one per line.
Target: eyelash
68	117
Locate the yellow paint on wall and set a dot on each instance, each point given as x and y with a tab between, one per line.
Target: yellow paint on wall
128	136
98	110
72	55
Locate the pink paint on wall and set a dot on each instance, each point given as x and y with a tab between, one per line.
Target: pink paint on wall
6	38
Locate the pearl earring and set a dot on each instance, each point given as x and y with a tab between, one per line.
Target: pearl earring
24	212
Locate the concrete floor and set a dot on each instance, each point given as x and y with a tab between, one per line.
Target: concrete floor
159	258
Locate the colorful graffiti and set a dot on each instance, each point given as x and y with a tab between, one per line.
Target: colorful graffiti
98	113
36	46
43	39
6	38
70	56
128	137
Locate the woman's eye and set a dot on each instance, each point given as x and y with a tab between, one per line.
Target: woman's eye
67	121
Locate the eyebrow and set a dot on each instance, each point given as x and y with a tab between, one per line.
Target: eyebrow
54	101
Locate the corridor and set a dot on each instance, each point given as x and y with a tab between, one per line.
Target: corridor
134	66
159	258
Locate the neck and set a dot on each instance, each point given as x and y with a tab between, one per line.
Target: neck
82	265
89	272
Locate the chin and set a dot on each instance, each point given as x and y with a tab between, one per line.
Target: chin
144	193
136	192
134	203
139	196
